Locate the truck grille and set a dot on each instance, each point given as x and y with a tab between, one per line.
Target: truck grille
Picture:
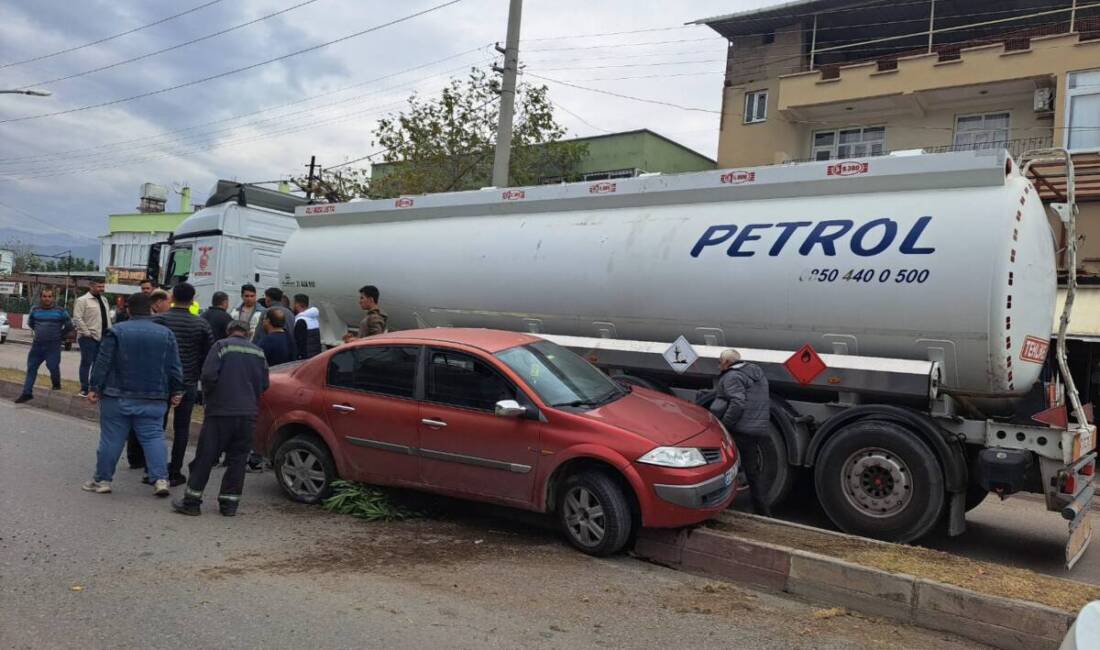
711	454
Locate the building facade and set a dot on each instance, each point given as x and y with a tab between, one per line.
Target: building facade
124	250
838	79
616	155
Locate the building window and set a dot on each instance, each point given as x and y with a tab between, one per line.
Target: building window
112	254
756	106
603	176
849	143
1083	110
981	131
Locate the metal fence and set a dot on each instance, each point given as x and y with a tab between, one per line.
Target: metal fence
1016	148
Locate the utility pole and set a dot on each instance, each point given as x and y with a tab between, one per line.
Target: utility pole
309	183
503	151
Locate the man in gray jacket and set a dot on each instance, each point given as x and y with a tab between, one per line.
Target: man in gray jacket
743	404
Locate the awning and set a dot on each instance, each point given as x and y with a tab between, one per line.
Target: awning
1084	323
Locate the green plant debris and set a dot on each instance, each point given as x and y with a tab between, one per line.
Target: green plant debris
366	502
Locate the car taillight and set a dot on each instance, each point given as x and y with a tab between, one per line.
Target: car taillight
1069	483
1087	470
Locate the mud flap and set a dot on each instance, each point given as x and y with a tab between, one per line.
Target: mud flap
1080	535
1077	511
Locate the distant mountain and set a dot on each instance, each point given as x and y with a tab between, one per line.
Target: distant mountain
53	243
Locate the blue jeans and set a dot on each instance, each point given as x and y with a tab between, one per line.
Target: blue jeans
50	353
89	348
117	416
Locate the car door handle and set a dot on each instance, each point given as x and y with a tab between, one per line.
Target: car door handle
434	423
343	408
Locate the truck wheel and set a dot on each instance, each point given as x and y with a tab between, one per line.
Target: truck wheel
879	480
304	469
769	456
594	513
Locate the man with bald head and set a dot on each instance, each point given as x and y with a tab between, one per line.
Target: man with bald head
743	404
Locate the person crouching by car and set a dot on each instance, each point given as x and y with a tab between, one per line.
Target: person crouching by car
743	405
50	324
136	374
234	376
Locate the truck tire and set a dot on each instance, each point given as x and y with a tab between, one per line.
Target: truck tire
304	469
594	514
877	479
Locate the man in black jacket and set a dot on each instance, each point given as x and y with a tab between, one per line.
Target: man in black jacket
307	328
218	314
194	339
233	377
742	402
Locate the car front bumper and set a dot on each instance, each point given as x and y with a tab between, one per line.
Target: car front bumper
705	495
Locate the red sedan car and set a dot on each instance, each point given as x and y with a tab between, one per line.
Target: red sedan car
496	416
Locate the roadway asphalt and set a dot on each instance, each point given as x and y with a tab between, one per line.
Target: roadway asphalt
81	570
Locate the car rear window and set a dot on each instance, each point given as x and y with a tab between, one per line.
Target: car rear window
389	370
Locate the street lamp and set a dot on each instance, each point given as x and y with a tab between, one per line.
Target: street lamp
32	93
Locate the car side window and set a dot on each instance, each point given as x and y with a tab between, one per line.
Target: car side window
388	370
462	380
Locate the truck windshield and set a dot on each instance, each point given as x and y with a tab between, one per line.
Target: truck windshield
179	266
560	377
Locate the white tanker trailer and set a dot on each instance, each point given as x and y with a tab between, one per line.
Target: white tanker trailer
926	281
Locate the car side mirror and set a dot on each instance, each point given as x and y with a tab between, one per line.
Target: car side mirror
510	408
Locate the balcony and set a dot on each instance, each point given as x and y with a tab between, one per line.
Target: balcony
906	83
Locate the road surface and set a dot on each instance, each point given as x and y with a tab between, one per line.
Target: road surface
81	570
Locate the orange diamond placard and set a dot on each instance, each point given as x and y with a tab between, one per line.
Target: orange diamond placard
805	365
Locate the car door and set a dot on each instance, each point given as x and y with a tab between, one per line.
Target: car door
369	400
464	446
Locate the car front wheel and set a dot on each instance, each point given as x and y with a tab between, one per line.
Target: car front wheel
304	469
594	513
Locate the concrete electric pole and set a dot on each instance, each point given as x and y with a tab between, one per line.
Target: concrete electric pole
503	151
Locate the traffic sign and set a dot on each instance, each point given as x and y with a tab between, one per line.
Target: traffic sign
680	355
805	365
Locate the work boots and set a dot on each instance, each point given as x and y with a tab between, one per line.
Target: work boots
227	504
190	504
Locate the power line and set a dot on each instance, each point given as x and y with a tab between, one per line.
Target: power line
168	49
110	38
582	120
622	96
41	221
227	73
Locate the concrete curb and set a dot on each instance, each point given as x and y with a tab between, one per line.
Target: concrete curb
1004	623
68	404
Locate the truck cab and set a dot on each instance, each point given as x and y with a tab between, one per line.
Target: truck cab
236	239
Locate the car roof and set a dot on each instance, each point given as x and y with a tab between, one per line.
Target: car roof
491	341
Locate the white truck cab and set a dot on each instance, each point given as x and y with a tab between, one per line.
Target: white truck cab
236	239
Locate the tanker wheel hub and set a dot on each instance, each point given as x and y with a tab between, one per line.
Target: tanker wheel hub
876	482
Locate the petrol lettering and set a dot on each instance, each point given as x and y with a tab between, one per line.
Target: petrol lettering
827	240
909	246
890	232
712	238
746	236
788	228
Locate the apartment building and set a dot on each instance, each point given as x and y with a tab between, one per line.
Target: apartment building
839	79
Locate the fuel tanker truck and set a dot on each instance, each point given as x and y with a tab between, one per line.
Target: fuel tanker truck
900	307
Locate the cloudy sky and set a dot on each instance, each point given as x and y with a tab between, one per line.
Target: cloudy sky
65	164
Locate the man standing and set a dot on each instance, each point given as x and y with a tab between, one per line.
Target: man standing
307	328
50	324
273	297
194	339
233	377
743	405
134	455
217	315
136	373
249	311
159	301
91	323
276	344
374	321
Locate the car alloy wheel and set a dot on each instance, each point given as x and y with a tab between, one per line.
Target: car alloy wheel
303	473
584	517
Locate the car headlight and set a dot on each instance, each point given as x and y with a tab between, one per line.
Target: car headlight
674	457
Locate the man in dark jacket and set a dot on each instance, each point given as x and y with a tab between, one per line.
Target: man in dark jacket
50	324
218	314
277	345
307	328
135	376
194	338
233	377
743	404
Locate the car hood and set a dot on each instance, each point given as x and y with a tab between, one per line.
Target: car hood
664	419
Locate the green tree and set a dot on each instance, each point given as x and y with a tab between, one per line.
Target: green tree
446	143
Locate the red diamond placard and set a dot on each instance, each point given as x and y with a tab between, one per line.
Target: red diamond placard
805	365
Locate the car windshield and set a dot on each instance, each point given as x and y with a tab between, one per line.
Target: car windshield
560	377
